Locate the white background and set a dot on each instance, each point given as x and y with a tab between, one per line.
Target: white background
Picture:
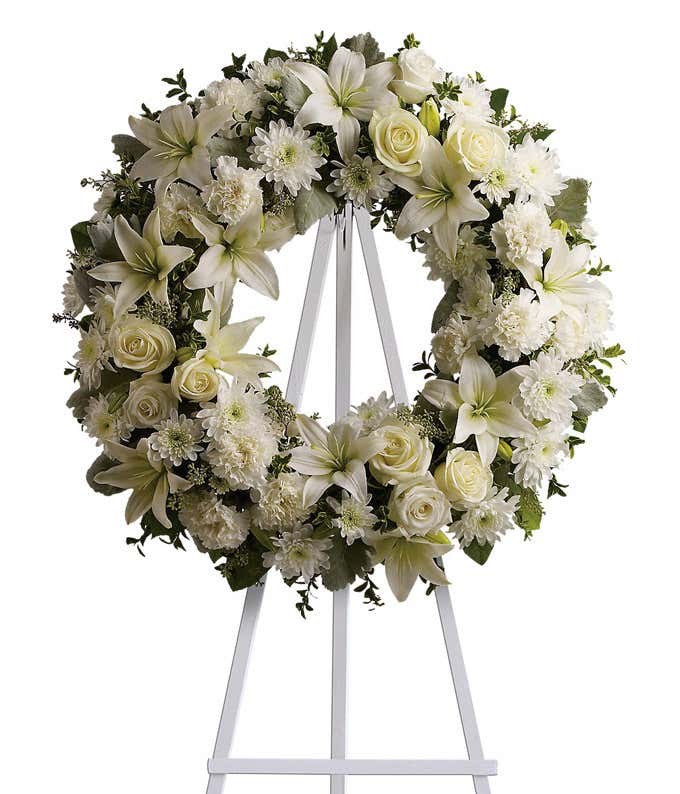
114	666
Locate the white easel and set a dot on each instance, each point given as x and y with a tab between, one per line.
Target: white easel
338	766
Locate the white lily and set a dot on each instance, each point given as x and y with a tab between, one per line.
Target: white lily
223	343
177	145
484	405
408	558
234	253
333	457
151	481
348	94
148	262
563	284
441	199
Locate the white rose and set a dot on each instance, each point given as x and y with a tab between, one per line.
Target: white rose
404	455
480	146
195	380
399	139
417	73
139	344
463	477
149	402
418	506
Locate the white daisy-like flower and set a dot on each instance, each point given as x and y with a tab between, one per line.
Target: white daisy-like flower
470	257
212	523
523	234
371	413
452	341
487	520
241	455
535	455
279	503
537	169
236	406
475	295
103	303
267	75
287	156
518	326
362	181
71	300
354	516
176	206
234	192
177	439
240	96
297	553
497	184
92	356
547	389
473	101
103	424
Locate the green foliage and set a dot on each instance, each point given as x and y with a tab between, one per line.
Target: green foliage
312	205
127	147
367	46
346	563
244	567
499	97
369	589
529	511
445	307
179	88
571	203
81	237
411	42
475	551
236	67
152	528
270	54
556	488
304	606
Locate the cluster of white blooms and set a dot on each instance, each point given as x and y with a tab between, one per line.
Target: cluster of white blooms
211	522
279	503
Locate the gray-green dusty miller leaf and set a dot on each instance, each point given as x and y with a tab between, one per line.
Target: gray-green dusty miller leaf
346	563
367	46
571	203
102	463
312	205
127	145
590	398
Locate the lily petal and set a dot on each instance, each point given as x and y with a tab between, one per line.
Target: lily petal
314	489
255	269
210	121
195	168
487	446
314	78
319	108
418	214
130	291
441	393
348	131
506	421
111	271
215	265
477	379
146	131
468	424
311	432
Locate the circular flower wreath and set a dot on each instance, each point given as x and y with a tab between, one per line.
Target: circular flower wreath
205	189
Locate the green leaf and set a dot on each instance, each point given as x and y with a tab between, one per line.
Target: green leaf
329	49
498	99
529	511
480	554
250	568
231	147
367	46
444	307
590	398
312	205
571	203
102	463
346	563
80	237
270	54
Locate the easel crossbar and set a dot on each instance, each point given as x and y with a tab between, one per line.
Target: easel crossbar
349	766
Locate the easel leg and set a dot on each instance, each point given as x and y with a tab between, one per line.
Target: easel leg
237	676
461	684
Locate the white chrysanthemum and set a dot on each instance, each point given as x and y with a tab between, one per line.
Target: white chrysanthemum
522	235
102	206
236	406
518	325
598	319
103	304
486	521
370	414
177	439
71	301
279	503
103	424
537	171
214	524
297	553
475	295
362	181
234	191
287	156
92	356
267	75
497	184
470	257
354	516
546	389
176	207
240	96
570	338
473	101
452	341
241	455
535	455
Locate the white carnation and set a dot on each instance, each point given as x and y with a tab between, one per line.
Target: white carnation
546	389
537	171
214	524
536	454
570	338
72	302
486	521
475	295
279	503
175	207
240	96
452	341
522	235
518	326
234	192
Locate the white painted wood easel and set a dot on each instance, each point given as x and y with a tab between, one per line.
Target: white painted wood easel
338	766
